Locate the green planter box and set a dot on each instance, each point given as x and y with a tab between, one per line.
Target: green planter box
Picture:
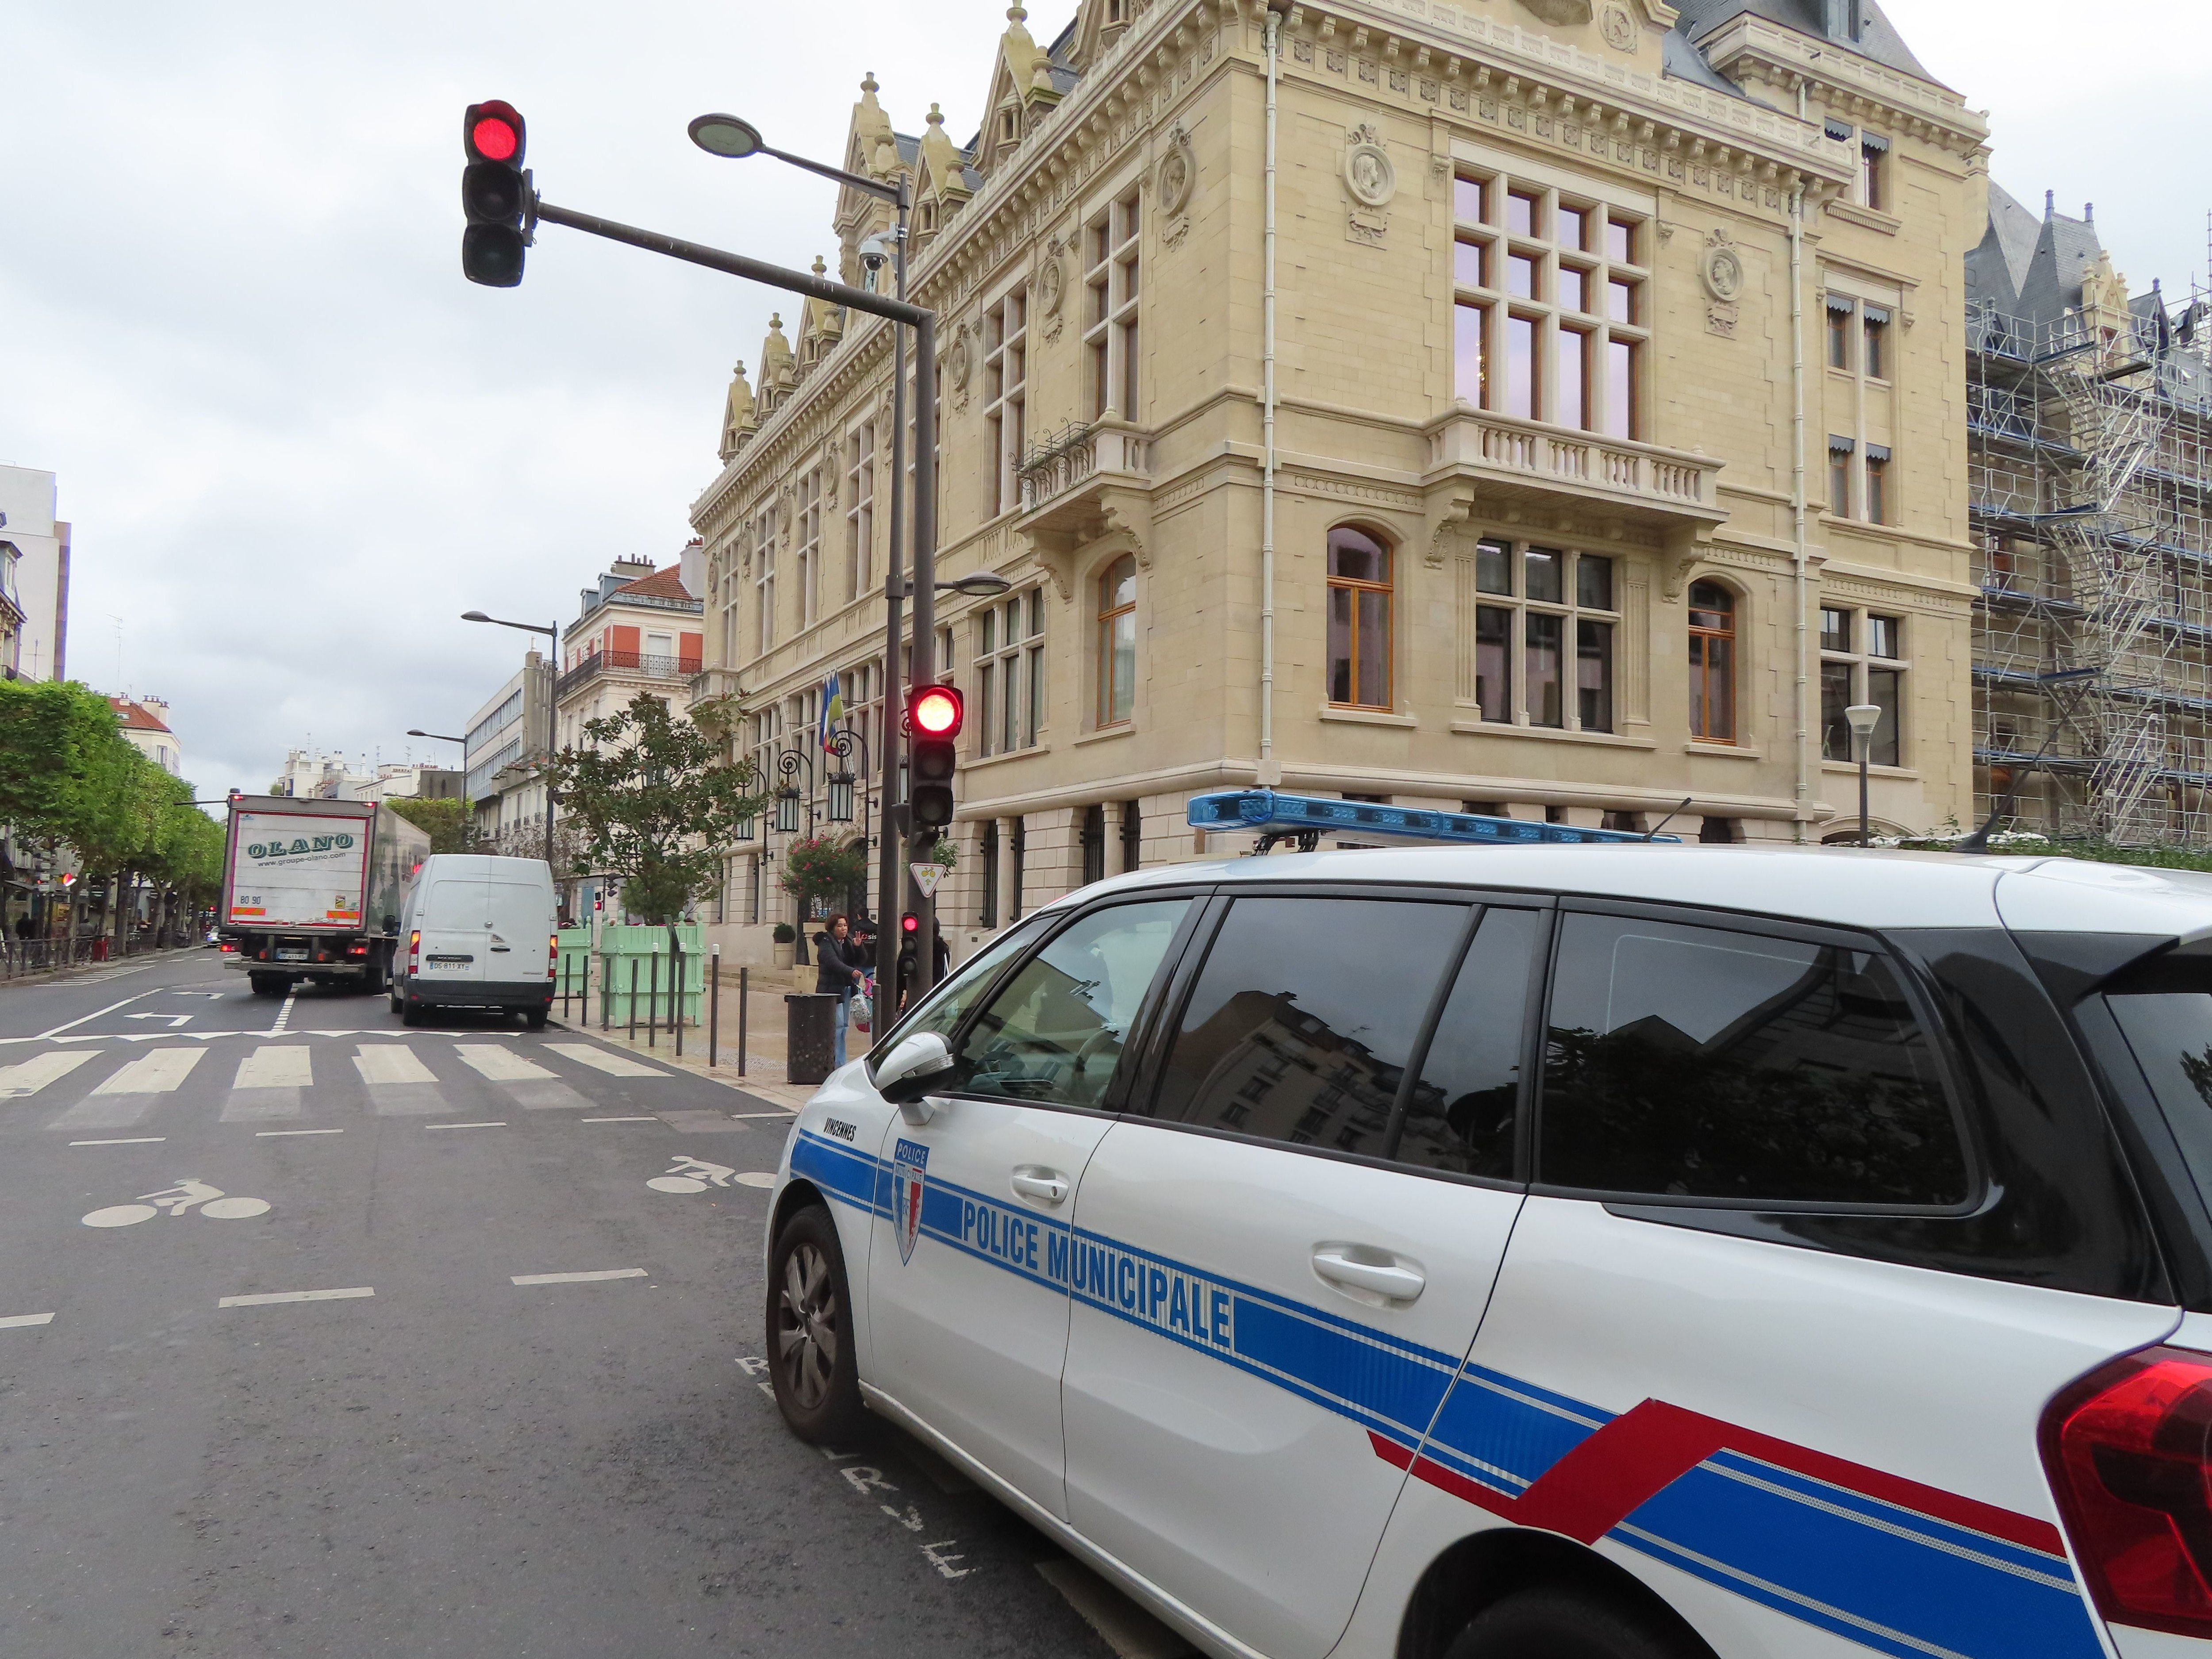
623	952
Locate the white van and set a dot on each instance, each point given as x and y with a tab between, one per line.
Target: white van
477	932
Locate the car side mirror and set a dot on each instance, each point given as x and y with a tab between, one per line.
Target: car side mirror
924	1061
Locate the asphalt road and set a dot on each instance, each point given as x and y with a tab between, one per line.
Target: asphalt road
441	1461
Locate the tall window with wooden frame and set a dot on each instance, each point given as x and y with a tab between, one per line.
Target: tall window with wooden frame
1712	663
859	509
1359	620
807	532
1111	292
1005	393
1550	312
1117	641
764	574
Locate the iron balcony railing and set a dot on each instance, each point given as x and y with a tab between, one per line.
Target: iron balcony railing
649	663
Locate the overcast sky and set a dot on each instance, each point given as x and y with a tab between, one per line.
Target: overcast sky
295	444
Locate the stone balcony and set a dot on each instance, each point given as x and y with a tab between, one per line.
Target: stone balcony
1476	458
1083	481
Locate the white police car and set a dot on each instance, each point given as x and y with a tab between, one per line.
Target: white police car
1596	1252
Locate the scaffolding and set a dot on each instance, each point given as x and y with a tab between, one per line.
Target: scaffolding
2090	491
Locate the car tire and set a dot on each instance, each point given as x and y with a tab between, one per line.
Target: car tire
535	1018
1553	1623
809	1330
411	1012
397	1005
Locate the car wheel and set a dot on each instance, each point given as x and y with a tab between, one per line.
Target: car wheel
809	1330
534	1018
396	1006
1561	1624
410	1013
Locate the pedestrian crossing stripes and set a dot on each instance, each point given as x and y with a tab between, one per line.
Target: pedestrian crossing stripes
98	1091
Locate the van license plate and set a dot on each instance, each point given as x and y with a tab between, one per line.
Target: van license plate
451	962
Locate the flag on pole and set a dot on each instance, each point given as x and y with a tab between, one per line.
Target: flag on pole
833	710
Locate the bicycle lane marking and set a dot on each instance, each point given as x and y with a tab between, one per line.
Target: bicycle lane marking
865	1478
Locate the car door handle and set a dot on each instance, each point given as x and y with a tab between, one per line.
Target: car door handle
1379	1273
503	949
1047	1187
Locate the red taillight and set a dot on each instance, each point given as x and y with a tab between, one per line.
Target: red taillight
415	950
2128	1451
553	957
229	949
357	950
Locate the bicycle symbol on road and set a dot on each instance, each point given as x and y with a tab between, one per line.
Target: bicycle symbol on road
692	1175
187	1196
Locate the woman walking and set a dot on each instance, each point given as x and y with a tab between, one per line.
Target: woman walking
838	972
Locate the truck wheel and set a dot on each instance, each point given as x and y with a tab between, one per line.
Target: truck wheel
809	1330
1555	1623
267	985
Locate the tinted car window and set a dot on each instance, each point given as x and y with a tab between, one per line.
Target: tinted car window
949	1003
2170	1032
1704	1062
1055	1030
1303	1022
1460	1117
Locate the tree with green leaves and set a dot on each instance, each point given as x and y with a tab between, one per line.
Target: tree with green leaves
656	804
451	825
823	867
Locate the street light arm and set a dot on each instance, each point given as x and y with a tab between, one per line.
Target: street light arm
858	181
528	628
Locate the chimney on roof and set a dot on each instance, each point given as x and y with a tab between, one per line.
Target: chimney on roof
2089	213
629	570
2050	203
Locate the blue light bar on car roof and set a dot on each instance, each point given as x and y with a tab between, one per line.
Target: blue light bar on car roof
1269	812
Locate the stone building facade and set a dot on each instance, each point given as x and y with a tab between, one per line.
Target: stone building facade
1595	359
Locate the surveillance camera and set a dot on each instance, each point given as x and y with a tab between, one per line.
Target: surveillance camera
875	252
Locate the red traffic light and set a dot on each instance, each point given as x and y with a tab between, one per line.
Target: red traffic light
494	132
909	923
936	711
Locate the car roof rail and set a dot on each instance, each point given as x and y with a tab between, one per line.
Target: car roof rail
1277	817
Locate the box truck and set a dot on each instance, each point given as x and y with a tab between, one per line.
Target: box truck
312	891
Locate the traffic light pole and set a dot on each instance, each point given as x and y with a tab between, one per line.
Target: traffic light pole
923	587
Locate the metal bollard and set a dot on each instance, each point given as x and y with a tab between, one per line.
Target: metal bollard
606	995
676	993
744	1010
633	999
714	1005
653	1000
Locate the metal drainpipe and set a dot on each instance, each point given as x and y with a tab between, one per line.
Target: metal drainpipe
1271	772
1800	556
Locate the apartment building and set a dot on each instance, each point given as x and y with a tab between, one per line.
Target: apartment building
34	577
1541	406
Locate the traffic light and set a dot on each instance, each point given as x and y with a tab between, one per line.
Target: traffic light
933	714
910	925
494	194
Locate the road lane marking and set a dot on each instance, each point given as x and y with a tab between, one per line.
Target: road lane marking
284	1015
648	1119
578	1279
600	1061
379	1064
500	1065
272	1134
86	1019
133	1141
749	1116
275	1067
157	1073
295	1295
17	1322
29	1076
464	1126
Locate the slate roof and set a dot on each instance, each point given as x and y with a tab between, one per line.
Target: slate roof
1878	38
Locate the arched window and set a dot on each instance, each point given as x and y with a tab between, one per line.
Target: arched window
1359	620
1712	662
1117	641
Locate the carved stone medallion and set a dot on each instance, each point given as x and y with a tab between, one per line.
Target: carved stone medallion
1368	171
1560	14
1051	283
1722	267
1178	172
1618	28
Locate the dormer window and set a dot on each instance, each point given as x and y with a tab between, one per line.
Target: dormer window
1010	124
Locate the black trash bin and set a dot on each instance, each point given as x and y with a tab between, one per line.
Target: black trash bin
812	1038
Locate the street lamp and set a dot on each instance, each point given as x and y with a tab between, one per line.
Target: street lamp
841	781
981	585
552	669
414	732
1862	717
737	139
